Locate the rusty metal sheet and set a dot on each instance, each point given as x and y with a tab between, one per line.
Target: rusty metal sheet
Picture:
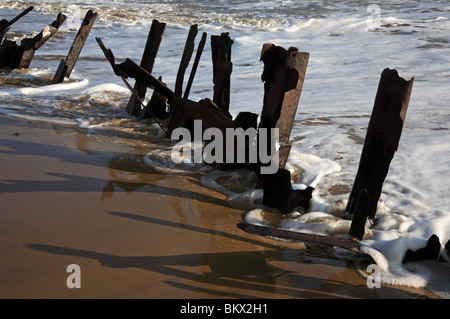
131	69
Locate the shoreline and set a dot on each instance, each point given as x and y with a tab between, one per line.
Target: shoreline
70	197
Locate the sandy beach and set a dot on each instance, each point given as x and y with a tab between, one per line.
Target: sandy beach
70	197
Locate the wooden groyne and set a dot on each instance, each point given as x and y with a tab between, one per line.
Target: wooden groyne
283	77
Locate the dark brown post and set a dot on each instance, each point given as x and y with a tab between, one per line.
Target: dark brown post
186	57
40	39
381	143
154	39
76	48
283	76
178	116
4	24
201	45
222	68
15	56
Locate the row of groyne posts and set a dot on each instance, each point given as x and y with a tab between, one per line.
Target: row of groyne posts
283	77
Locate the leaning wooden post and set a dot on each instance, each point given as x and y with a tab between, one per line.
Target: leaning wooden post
283	76
154	39
178	115
185	58
201	45
40	39
222	68
381	143
66	66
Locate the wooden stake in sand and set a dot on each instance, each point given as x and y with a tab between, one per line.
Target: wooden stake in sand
381	143
185	58
222	68
154	39
283	76
178	116
66	66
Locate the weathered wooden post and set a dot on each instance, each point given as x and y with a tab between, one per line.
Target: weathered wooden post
185	58
178	116
201	45
66	66
157	106
222	69
40	39
154	39
381	143
283	76
15	56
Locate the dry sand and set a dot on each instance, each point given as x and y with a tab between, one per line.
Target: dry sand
68	197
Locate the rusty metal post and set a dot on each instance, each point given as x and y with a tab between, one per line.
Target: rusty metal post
154	39
66	66
222	69
381	143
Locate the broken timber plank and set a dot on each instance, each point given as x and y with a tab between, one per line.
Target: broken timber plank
185	58
178	116
76	48
222	69
40	39
129	68
201	45
214	117
154	39
15	56
381	143
283	76
323	246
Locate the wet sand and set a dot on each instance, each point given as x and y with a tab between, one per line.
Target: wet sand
68	197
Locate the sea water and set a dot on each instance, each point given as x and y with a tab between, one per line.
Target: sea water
350	44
